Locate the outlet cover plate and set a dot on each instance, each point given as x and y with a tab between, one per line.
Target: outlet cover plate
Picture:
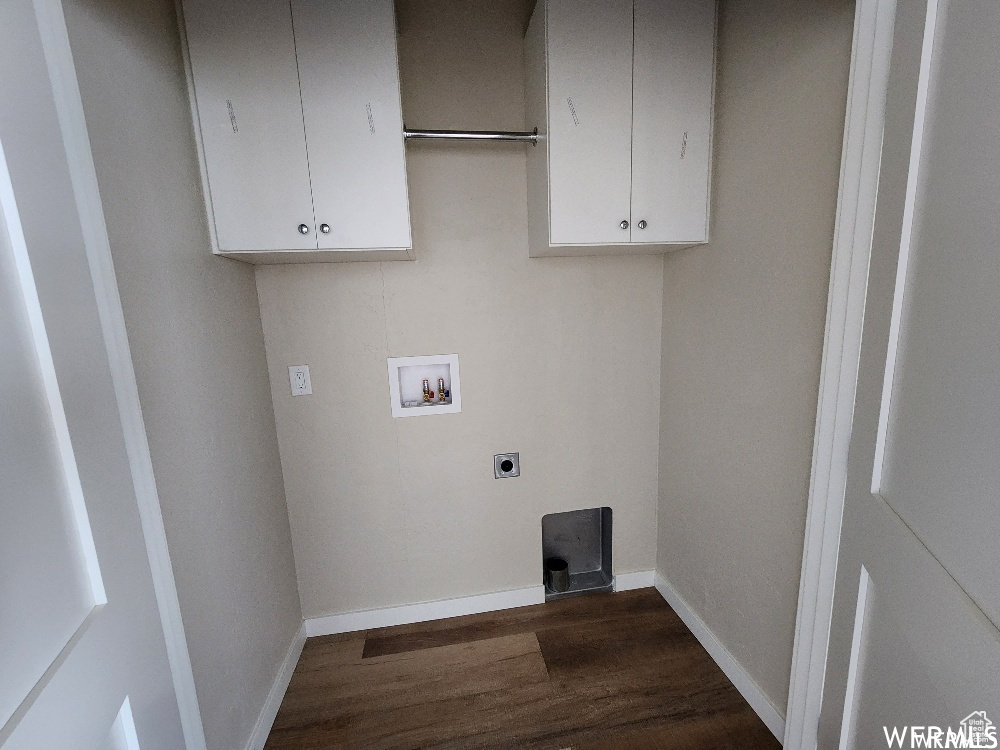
298	379
506	465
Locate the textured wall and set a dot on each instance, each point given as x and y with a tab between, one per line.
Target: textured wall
195	334
560	361
743	323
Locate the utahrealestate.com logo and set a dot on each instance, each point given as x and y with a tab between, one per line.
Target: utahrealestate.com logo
975	730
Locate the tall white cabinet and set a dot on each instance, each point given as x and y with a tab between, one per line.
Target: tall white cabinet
622	93
298	116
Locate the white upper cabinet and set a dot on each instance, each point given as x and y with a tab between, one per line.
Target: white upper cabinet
300	127
622	94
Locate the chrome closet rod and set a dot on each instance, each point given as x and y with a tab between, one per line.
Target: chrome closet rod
472	135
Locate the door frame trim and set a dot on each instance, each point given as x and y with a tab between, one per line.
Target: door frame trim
859	174
69	109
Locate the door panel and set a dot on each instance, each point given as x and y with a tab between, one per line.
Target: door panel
920	513
45	586
590	120
81	629
250	113
672	119
123	735
350	97
929	657
946	352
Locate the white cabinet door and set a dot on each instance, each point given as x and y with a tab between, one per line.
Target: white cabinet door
590	120
247	92
672	119
350	97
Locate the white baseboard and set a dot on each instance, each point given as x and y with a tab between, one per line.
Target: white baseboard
277	693
463	605
641	579
750	690
407	613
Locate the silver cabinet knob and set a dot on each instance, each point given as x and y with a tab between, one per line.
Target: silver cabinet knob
303	229
324	228
642	223
624	224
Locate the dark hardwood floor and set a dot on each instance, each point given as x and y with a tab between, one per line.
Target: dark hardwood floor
588	673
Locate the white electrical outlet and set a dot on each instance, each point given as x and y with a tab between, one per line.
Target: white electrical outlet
298	378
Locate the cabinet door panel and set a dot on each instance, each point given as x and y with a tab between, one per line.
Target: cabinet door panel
672	124
247	91
590	120
350	96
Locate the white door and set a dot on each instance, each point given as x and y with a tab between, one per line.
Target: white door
589	48
672	119
246	87
83	661
350	99
915	649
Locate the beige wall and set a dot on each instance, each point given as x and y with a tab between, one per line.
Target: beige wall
560	361
743	324
196	340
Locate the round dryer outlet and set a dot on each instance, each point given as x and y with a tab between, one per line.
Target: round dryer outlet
506	465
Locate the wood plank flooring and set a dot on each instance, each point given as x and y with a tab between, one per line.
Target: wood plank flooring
588	673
